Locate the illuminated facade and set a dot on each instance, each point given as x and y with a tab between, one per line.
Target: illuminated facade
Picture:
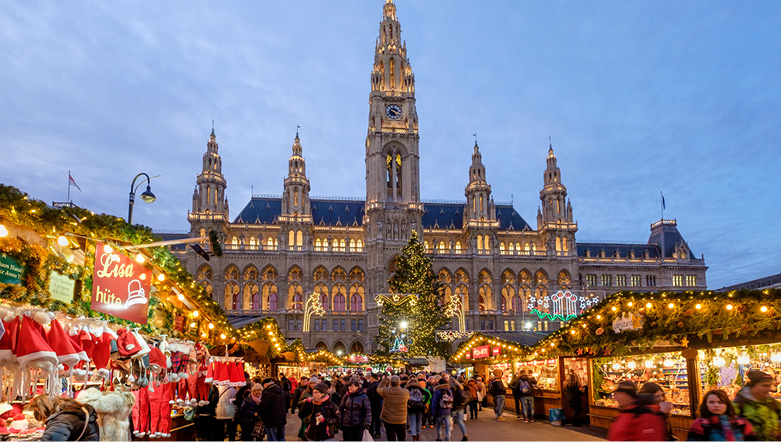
279	249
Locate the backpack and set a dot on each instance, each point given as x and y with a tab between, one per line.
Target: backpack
446	400
524	386
416	399
466	397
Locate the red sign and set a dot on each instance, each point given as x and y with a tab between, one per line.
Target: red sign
469	355
480	352
179	324
120	286
496	351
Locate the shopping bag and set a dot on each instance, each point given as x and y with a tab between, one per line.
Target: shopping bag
556	416
367	437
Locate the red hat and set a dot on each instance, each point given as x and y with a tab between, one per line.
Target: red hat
73	335
61	345
156	359
31	345
221	374
8	342
101	354
87	344
127	344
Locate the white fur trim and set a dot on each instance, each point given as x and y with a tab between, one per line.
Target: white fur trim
171	402
43	318
152	436
130	346
103	372
43	354
179	401
184	375
203	403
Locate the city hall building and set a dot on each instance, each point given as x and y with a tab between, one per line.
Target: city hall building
511	275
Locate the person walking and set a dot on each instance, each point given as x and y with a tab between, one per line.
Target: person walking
305	394
65	418
287	388
526	386
483	389
460	399
428	416
323	414
394	408
375	401
297	395
498	391
755	404
356	411
273	409
640	418
573	394
419	397
474	396
442	407
249	412
225	412
718	420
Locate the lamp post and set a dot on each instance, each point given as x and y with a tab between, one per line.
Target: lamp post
147	195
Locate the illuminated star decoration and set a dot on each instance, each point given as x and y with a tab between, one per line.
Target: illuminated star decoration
685	341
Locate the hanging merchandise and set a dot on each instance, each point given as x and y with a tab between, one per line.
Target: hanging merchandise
34	354
113	410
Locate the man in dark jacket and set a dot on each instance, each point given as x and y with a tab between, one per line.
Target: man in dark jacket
375	400
273	410
323	414
356	412
498	390
297	395
525	387
284	382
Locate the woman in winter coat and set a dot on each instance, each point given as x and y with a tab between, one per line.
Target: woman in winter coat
249	412
460	399
718	420
755	404
640	417
356	412
416	406
473	388
442	406
323	414
65	418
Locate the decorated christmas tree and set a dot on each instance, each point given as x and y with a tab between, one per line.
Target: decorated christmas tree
423	314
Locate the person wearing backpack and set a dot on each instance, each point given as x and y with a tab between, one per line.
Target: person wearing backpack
526	386
513	386
460	399
498	391
416	406
442	407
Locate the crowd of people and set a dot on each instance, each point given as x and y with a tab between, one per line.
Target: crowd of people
753	414
360	406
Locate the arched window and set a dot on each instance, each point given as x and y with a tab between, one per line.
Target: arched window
356	274
342	245
517	306
356	347
462	276
360	246
480	243
393	174
485	296
510	248
322	290
234	242
232	301
458	247
296	295
318	245
250	273
508	293
320	274
269	289
540	284
291	239
352	245
335	245
564	280
232	273
487	243
269	273
299	238
339	302
504	304
356	297
564	244
251	296
205	273
463	290
338	274
558	244
252	242
295	197
270	243
502	250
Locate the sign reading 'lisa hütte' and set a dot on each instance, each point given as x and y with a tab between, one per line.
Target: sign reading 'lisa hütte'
120	286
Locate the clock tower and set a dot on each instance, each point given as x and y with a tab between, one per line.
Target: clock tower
393	207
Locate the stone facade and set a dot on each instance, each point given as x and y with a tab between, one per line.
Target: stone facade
279	249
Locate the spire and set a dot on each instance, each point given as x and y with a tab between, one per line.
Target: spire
392	71
389	10
212	136
478	192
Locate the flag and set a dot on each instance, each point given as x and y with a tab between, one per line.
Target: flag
71	182
663	205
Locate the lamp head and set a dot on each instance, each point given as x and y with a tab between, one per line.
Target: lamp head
148	196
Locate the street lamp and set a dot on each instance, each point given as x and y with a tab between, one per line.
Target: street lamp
403	325
147	196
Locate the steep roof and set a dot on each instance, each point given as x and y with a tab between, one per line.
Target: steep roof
623	249
346	212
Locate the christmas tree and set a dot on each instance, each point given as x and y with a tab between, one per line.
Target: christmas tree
424	314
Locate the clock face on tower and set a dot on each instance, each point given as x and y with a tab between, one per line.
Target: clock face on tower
393	112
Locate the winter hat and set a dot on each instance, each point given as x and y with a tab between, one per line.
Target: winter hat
61	344
8	342
627	387
127	344
756	377
498	372
322	388
87	344
314	380
236	373
156	360
33	352
221	374
142	343
101	354
271	380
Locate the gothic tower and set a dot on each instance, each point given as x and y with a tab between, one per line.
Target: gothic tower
554	220
393	207
210	206
296	216
480	211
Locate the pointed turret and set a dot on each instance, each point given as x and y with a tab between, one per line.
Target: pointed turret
210	205
296	187
478	191
555	219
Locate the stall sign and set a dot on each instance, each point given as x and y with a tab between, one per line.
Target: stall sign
496	351
121	286
11	270
179	324
627	322
469	355
551	362
61	287
357	359
480	352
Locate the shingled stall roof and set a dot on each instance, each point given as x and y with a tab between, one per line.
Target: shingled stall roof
346	212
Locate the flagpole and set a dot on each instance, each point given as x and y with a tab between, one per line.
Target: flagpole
69	186
661	204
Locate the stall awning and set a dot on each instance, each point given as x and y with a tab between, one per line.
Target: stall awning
417	362
526	338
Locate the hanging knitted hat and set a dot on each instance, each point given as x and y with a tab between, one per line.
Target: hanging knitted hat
59	342
236	376
33	352
101	354
221	374
127	344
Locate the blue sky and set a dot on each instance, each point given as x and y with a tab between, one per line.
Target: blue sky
638	97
